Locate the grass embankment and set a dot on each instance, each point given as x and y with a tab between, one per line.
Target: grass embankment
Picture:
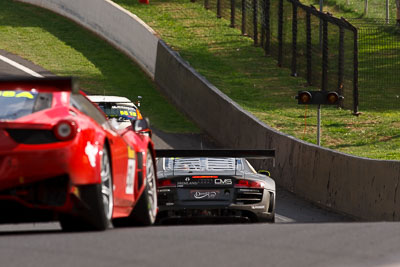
235	66
64	48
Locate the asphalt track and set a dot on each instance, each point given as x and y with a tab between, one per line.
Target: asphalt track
304	235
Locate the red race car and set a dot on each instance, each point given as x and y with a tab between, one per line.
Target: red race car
61	159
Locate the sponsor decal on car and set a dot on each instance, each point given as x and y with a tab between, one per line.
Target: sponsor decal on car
223	181
91	152
258	207
204	194
130	176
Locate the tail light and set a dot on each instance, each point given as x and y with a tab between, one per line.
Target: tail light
249	184
65	130
165	183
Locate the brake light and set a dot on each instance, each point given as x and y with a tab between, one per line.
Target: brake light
65	130
249	184
165	183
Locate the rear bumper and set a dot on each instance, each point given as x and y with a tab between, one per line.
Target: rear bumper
43	201
262	210
26	164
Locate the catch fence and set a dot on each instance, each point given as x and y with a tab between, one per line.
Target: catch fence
360	60
314	45
379	60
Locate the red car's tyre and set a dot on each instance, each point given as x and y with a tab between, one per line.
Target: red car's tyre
98	200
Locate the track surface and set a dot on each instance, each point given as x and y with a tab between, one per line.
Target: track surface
304	235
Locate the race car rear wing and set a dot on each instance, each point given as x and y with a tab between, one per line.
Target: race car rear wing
47	84
211	153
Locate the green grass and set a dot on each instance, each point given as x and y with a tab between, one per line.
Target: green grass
355	8
236	67
64	48
379	53
227	59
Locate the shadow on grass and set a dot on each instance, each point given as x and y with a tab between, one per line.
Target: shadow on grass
118	74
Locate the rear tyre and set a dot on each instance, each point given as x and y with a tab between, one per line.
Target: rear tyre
97	201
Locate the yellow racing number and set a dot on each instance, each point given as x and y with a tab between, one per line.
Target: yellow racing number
17	95
8	94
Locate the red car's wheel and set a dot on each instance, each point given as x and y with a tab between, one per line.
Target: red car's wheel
151	191
98	200
106	187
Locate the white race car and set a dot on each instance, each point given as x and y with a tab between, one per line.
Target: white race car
118	108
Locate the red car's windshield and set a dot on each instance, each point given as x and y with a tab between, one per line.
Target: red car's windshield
16	104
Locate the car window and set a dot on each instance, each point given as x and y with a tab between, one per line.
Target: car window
19	103
120	112
84	105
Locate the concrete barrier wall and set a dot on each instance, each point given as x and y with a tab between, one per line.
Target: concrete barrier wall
364	188
110	21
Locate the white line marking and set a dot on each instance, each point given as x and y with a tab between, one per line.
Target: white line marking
283	218
19	66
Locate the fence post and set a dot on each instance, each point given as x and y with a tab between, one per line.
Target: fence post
324	55
280	33
294	40
255	22
219	9
206	4
355	78
244	17
262	20
233	11
308	53
366	8
341	64
387	12
267	27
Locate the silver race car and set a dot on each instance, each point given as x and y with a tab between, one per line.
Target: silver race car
213	184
